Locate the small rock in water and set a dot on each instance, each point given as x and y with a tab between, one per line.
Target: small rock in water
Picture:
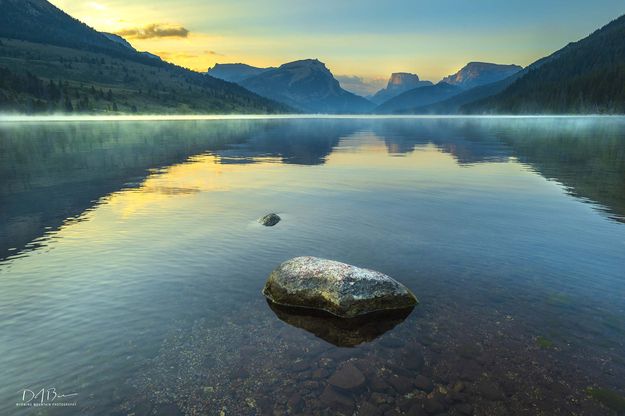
301	365
332	398
416	410
401	384
348	377
377	383
414	360
294	403
490	390
341	289
458	387
433	406
380	398
367	409
270	220
320	373
423	383
465	409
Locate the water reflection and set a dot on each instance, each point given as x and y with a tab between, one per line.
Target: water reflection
153	263
586	155
52	172
338	331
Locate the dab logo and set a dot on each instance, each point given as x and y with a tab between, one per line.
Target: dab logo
45	397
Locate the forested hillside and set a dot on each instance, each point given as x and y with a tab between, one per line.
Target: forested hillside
37	78
585	77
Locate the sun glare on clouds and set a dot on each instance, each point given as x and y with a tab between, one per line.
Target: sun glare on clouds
362	38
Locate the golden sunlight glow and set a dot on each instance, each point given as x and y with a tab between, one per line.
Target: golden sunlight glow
198	34
203	173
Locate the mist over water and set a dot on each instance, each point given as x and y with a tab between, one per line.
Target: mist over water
132	262
10	117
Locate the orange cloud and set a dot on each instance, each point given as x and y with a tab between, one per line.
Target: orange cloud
154	30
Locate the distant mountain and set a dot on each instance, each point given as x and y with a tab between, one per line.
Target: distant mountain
475	74
584	77
51	62
307	85
235	72
398	83
411	100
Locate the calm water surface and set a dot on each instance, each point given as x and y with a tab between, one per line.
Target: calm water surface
131	265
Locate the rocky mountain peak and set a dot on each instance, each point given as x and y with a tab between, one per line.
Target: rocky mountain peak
475	74
402	78
398	83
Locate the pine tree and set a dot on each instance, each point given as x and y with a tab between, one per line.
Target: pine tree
68	105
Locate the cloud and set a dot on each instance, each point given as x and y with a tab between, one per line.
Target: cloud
168	55
359	85
155	30
174	55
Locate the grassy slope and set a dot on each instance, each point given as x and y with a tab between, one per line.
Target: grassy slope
135	86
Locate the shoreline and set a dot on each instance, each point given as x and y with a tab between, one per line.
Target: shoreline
200	117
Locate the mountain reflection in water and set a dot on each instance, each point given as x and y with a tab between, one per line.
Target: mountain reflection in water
53	172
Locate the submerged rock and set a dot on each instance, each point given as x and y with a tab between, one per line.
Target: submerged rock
348	377
270	220
341	289
335	399
423	383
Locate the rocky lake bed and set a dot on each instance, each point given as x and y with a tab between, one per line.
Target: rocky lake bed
428	365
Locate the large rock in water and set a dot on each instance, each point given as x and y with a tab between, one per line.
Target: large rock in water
338	288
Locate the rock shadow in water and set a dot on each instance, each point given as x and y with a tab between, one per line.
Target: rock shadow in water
342	332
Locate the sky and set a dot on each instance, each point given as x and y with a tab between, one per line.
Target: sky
361	42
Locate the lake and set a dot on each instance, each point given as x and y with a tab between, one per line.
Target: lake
132	263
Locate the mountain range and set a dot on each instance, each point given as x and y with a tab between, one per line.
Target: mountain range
584	77
306	85
475	80
51	62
